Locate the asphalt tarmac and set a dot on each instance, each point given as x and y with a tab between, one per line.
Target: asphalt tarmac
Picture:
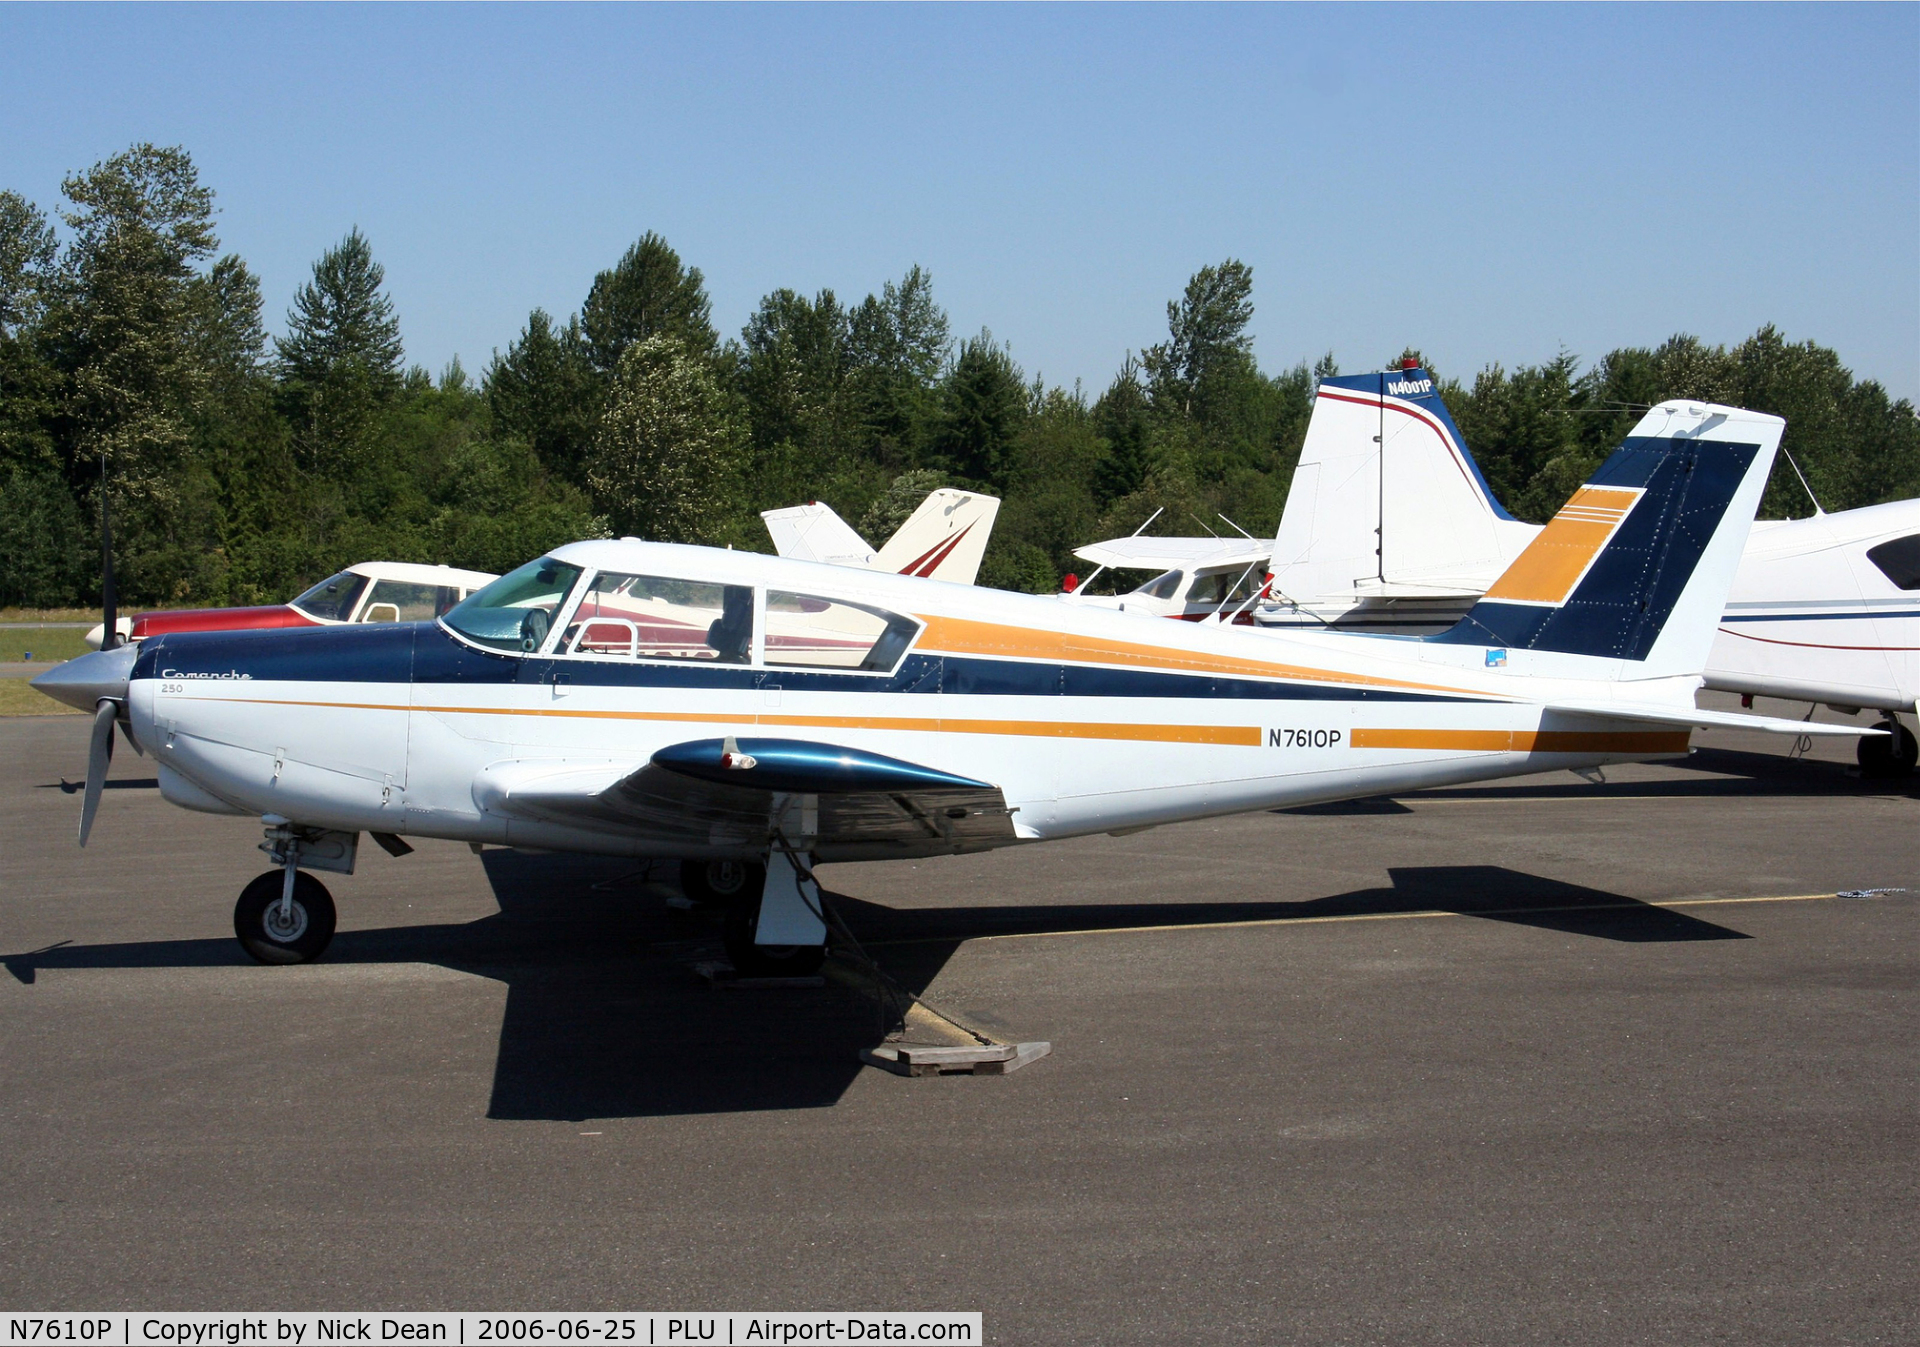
1546	1061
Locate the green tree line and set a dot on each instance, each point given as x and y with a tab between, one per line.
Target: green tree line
136	372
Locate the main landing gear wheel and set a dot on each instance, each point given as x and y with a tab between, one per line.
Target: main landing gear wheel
1890	756
766	961
723	883
295	937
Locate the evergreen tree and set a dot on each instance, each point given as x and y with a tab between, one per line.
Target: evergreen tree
983	402
666	464
339	363
341	318
647	293
546	393
1120	418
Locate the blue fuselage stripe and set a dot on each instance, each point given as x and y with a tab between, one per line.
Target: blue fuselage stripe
422	653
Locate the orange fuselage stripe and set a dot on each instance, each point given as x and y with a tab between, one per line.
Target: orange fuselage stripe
963	636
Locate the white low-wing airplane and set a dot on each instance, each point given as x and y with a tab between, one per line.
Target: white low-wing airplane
944	539
748	714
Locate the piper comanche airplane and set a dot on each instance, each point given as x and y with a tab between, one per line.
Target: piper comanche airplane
752	715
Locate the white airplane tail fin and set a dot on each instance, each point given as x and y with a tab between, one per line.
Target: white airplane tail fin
1629	580
944	539
813	532
1431	527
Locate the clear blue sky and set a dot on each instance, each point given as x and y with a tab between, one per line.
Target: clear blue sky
1487	183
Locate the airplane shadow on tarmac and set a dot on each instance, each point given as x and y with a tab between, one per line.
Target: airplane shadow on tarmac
605	1019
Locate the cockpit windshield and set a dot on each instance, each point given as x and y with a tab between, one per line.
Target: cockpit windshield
516	611
332	599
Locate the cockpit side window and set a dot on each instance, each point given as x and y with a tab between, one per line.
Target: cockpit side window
624	616
402	601
332	599
516	611
815	633
1899	560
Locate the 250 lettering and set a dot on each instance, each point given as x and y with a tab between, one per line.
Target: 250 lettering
1284	738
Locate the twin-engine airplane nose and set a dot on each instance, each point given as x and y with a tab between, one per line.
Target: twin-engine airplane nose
84	682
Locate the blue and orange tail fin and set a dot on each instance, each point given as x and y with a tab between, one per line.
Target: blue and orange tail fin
1637	566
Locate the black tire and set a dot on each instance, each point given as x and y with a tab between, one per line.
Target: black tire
767	961
726	884
1888	757
255	919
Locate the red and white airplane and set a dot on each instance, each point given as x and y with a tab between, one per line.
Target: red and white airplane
373	591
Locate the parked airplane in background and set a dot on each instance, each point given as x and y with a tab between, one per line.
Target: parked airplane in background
1825	609
1196	577
832	714
943	539
373	591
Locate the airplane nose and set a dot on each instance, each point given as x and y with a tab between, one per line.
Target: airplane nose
85	681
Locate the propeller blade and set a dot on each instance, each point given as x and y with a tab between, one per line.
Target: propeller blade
99	754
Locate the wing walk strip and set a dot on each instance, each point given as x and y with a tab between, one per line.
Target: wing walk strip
1495	914
1242	736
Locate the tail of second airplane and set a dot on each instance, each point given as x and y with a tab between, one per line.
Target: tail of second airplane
1387	500
1627	582
944	539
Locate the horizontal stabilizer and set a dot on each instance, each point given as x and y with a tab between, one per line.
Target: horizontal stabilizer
813	532
1710	720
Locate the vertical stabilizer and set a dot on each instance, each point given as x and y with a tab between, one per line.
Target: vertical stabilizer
1386	498
944	539
1637	566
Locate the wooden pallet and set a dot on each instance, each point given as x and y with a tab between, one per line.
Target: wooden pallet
974	1059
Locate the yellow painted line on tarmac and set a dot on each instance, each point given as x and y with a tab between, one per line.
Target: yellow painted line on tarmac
1365	916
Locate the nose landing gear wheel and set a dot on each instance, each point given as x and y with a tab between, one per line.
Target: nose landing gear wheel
301	934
